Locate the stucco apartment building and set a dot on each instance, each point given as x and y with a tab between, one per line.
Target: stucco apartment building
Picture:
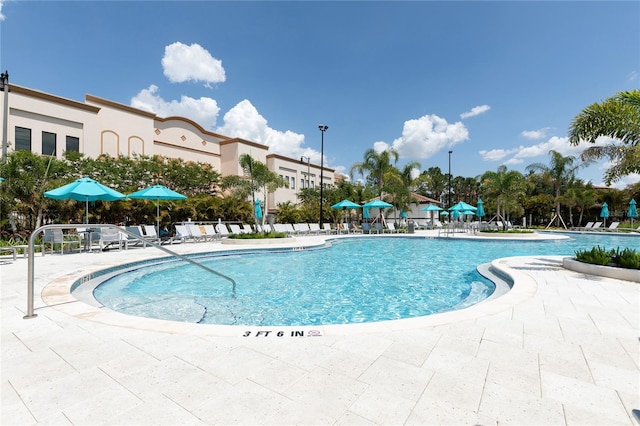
50	125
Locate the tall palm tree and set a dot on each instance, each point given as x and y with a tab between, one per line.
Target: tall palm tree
561	172
619	118
375	165
507	186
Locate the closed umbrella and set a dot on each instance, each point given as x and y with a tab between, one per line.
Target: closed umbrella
157	192
258	208
480	208
604	213
84	189
633	211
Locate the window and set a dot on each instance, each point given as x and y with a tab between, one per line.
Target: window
73	144
313	185
301	183
48	143
23	139
293	183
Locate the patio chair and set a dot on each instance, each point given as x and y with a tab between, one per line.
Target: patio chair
56	237
315	228
589	225
109	237
182	234
596	225
235	229
391	228
366	227
301	228
328	229
612	227
141	238
150	233
378	228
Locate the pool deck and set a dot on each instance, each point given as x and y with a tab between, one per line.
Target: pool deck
560	348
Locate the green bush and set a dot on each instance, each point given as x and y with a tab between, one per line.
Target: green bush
628	258
596	256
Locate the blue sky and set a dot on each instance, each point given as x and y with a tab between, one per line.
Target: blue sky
495	82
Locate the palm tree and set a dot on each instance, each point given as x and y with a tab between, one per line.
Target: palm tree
507	186
619	118
376	165
560	172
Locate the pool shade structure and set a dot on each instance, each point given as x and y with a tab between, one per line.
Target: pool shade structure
632	212
462	206
157	192
480	208
431	208
604	212
85	189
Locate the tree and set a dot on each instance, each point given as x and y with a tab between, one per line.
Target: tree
507	186
375	166
432	183
560	171
619	118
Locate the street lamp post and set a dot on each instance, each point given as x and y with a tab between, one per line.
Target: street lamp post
308	159
323	129
450	152
4	86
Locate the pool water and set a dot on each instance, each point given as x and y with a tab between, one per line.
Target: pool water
353	281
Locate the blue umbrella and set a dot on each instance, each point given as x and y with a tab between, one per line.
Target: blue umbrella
365	213
378	204
157	192
1	179
84	189
480	211
633	211
431	207
258	210
604	213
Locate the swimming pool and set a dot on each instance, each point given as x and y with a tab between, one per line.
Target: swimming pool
353	281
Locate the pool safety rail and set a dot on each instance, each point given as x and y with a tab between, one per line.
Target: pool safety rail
40	230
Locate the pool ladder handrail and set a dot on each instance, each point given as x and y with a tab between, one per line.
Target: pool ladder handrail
37	231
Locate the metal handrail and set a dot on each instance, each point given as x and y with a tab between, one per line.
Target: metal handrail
37	231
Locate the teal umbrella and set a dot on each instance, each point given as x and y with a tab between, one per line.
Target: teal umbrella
377	204
346	204
431	207
461	206
1	179
157	192
258	208
480	208
604	213
366	213
633	211
84	189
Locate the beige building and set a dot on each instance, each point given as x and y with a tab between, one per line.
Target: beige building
50	125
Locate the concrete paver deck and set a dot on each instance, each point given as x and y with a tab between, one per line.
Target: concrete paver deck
562	349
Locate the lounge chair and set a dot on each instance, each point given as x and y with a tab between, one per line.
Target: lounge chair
235	229
195	232
182	234
315	229
328	229
379	228
612	227
596	225
246	228
222	229
301	229
366	227
211	232
589	225
391	227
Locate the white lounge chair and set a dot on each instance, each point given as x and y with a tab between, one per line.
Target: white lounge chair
315	229
328	229
195	232
235	229
109	237
211	232
246	228
596	225
222	229
301	228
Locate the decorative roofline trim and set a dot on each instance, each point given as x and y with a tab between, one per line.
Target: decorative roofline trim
52	98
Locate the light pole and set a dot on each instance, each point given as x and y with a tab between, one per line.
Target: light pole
4	86
308	159
450	152
323	129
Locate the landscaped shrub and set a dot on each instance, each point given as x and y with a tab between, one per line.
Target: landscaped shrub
625	258
628	258
596	256
258	235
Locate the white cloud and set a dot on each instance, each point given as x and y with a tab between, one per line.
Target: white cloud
183	63
633	75
496	154
1	15
476	110
244	121
203	111
423	137
380	146
535	134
